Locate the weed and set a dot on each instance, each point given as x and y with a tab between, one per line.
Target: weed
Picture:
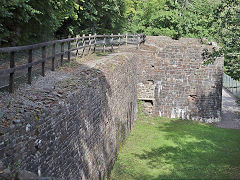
9	103
238	99
36	116
102	54
36	130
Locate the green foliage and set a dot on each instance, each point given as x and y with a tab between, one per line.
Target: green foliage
161	148
26	21
171	18
14	13
227	15
211	57
96	16
196	19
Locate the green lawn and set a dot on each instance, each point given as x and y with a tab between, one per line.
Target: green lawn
162	148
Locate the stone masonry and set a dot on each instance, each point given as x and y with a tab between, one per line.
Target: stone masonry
71	123
171	74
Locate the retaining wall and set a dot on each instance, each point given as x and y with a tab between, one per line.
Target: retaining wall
71	123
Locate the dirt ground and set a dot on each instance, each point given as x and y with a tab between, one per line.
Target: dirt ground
230	111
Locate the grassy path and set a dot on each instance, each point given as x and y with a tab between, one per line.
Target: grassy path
163	148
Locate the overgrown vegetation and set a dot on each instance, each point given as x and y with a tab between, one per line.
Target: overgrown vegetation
174	18
28	21
161	148
228	35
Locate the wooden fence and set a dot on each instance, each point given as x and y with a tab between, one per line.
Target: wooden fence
90	42
232	85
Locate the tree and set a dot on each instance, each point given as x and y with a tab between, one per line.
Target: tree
26	21
174	18
227	16
96	16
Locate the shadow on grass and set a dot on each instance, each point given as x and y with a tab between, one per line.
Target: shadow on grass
196	151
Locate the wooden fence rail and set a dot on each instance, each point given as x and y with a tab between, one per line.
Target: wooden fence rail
87	42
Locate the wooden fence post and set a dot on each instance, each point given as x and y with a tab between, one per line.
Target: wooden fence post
139	40
119	40
77	40
62	51
69	47
126	39
11	77
236	87
83	42
53	56
104	43
95	42
44	59
229	81
89	43
112	41
30	53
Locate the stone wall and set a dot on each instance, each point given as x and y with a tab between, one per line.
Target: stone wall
71	123
181	86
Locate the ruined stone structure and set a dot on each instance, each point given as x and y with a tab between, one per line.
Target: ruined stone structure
173	79
71	123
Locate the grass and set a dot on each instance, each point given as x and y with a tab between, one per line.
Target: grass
161	148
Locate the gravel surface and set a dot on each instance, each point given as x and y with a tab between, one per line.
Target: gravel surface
230	111
51	89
